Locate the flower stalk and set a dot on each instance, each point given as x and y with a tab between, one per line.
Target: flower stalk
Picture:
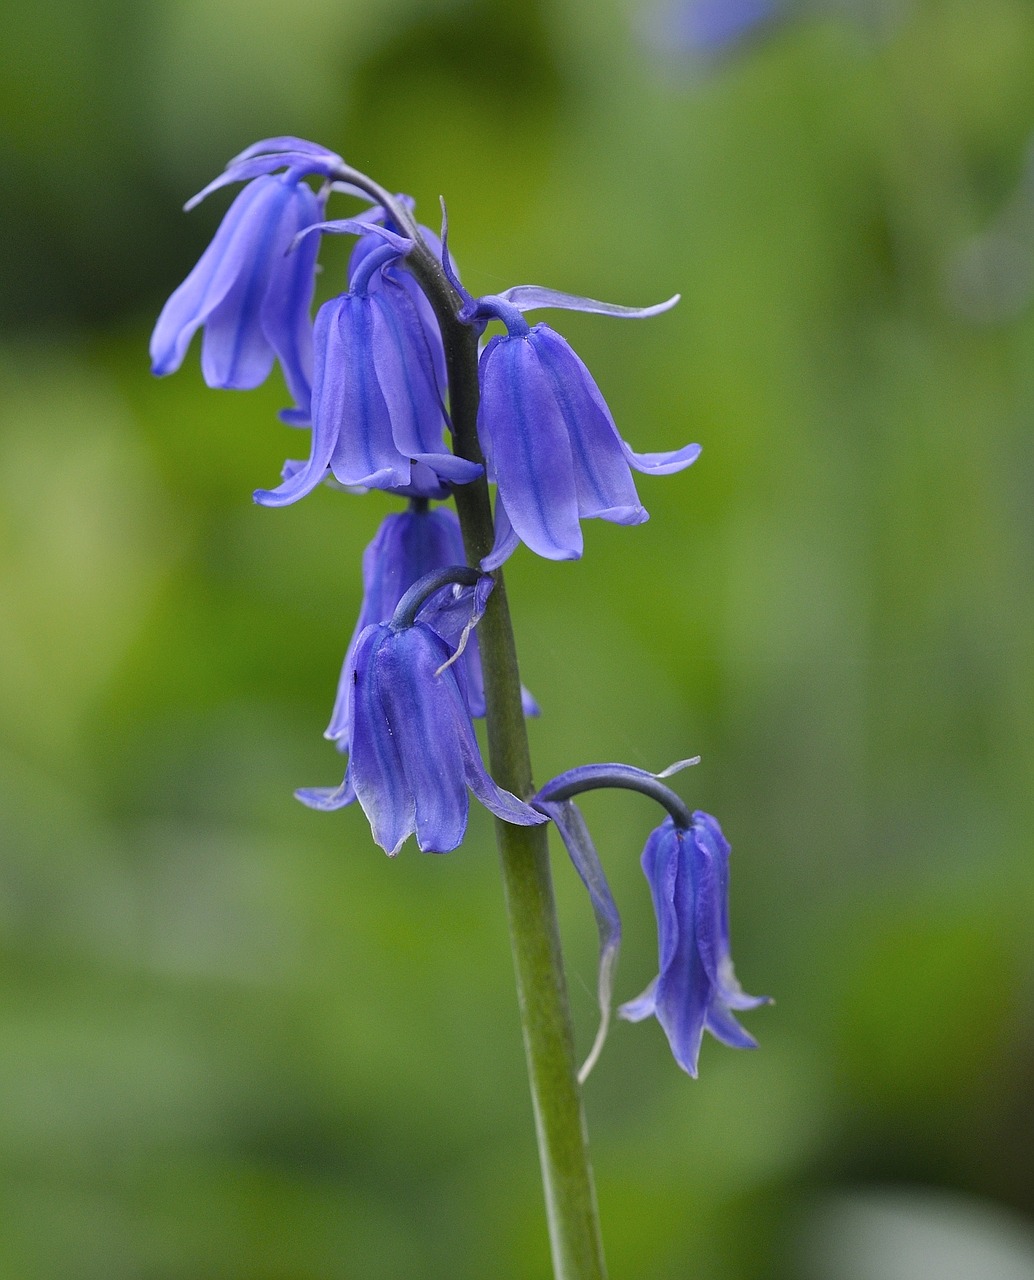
573	1219
385	367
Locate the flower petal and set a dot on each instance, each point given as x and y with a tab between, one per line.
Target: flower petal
662	464
530	297
506	541
327	798
211	279
522	429
361	227
604	482
420	708
259	166
366	452
683	991
328	354
406	375
724	1027
266	309
287	306
287	143
496	800
374	764
643	1006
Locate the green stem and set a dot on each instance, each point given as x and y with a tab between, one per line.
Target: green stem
571	1210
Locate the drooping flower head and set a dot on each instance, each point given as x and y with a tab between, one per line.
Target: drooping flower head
686	862
549	439
377	410
249	291
412	752
408	546
696	989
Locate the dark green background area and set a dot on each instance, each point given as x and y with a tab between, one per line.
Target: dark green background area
237	1042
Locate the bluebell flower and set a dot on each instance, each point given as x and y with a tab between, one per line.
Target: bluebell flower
712	27
251	295
696	989
686	861
412	753
410	545
549	440
376	405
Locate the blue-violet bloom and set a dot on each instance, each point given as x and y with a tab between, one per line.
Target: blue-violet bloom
376	406
412	752
709	28
549	440
696	988
249	292
408	546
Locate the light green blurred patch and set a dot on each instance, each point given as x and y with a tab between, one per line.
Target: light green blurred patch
86	542
676	1171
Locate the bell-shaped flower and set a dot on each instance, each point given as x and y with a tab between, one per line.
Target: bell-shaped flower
249	291
376	406
548	437
408	546
412	753
696	989
686	861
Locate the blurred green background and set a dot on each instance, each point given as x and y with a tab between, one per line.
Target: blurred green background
237	1042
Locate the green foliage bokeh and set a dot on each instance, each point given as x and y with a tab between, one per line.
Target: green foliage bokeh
238	1043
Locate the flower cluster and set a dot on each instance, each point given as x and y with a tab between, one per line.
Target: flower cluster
368	378
368	375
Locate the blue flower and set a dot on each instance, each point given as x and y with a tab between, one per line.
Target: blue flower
410	545
376	406
711	27
696	989
686	861
412	752
249	293
549	440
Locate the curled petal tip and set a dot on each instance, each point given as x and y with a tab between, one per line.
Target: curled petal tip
531	297
325	798
677	767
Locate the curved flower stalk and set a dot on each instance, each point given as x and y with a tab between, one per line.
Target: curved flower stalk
686	863
376	407
412	753
549	439
249	293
